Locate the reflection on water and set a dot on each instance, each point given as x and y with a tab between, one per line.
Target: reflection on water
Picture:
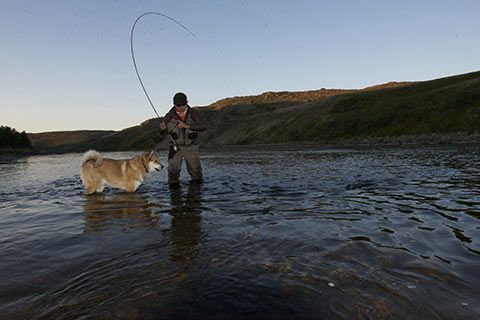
184	233
118	211
329	234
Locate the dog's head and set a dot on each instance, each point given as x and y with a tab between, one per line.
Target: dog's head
152	161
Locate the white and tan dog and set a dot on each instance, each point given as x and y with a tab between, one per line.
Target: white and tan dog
126	174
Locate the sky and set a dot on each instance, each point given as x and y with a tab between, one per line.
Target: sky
67	64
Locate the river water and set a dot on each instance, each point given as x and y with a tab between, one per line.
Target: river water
289	234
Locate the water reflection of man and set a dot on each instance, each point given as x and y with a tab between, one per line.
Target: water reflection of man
123	210
185	226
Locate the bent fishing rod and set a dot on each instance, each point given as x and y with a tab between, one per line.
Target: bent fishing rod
135	63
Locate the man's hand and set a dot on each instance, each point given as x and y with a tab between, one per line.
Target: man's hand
182	125
163	126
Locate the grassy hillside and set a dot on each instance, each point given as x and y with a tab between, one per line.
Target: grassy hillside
277	99
445	105
66	141
135	138
442	106
438	107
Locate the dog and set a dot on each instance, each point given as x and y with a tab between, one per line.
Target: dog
126	174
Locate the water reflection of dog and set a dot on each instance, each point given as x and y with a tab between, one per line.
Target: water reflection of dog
186	218
122	211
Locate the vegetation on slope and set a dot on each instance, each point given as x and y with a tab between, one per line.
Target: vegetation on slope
11	139
65	141
443	106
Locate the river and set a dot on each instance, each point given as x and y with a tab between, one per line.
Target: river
388	233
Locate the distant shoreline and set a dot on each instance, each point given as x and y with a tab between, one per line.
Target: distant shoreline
16	151
454	139
7	155
426	140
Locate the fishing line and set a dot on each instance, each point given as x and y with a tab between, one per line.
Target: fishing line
133	54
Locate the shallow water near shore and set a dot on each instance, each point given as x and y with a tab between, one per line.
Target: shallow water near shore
292	234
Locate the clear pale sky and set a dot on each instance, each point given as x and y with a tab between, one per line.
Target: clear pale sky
66	64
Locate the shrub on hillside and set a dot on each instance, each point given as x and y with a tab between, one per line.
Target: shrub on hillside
9	137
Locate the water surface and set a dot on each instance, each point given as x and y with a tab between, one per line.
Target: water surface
292	234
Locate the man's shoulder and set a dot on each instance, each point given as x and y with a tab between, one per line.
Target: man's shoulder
194	111
170	112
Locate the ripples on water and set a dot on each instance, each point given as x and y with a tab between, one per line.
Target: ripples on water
366	234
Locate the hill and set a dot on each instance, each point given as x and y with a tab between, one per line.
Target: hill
278	99
437	108
66	141
443	106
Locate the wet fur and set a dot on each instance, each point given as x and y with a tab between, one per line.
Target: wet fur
126	174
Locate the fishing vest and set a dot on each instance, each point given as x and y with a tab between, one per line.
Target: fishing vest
182	137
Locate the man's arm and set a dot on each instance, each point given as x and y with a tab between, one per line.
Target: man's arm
165	121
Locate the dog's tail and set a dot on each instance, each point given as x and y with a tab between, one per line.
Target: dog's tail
93	158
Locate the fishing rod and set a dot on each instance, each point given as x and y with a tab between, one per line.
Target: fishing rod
135	63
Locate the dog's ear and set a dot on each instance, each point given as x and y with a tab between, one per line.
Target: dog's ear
150	153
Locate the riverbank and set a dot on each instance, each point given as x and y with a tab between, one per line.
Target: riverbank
453	139
427	140
444	140
14	153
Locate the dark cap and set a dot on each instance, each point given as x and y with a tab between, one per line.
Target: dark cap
180	99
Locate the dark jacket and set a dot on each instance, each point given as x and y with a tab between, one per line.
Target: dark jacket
184	137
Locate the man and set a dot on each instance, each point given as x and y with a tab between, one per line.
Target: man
182	123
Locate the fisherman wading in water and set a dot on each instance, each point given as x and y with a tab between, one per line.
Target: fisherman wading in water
182	123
